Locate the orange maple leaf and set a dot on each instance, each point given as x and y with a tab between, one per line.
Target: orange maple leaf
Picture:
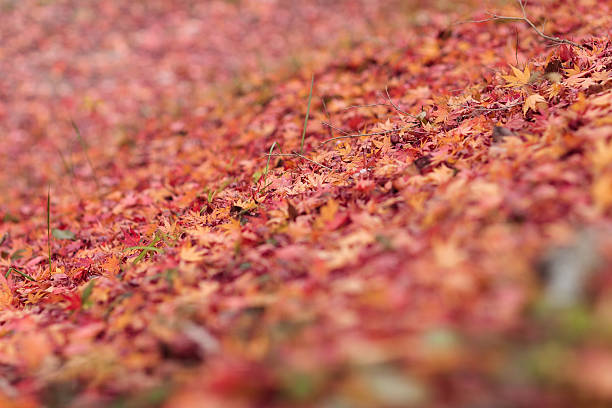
6	296
519	78
111	265
191	254
532	102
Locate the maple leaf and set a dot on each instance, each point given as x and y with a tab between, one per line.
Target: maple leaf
191	254
329	210
519	78
6	296
602	191
532	102
111	265
554	90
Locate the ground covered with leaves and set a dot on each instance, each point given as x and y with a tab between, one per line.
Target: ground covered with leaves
305	204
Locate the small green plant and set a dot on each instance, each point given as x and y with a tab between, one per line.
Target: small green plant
25	275
210	194
258	176
307	114
145	249
299	155
86	294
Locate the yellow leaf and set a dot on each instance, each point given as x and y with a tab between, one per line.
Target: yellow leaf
6	296
191	254
519	78
602	156
328	211
554	90
532	101
573	71
602	192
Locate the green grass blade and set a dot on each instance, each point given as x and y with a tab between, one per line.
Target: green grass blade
84	147
307	114
86	294
25	275
265	173
268	163
146	248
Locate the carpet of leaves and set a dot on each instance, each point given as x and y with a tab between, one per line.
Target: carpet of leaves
444	239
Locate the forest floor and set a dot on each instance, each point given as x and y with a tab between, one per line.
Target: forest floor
305	204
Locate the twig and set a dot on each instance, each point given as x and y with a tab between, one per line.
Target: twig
365	106
335	128
300	156
397	108
526	20
482	108
382	133
312	161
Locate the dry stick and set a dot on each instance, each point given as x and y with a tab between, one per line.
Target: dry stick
335	128
301	156
365	106
525	19
312	161
395	106
482	108
382	133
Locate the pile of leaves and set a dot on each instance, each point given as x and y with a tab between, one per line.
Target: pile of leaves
420	215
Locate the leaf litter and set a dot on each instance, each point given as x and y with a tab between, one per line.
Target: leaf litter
416	219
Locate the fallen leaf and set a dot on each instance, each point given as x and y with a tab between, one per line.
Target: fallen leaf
532	103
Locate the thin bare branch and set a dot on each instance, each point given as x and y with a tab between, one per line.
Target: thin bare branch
522	5
365	106
312	161
385	132
493	17
299	156
335	128
279	155
526	20
397	108
501	108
